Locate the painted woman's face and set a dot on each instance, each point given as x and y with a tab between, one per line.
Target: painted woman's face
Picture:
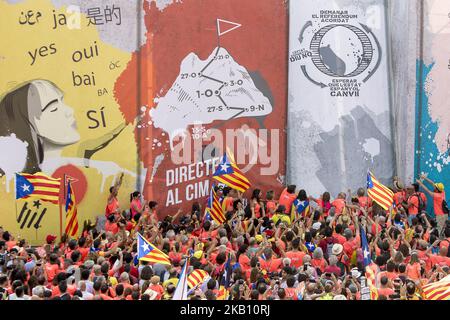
51	117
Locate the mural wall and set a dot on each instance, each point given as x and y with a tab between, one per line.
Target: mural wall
213	79
59	61
339	96
154	89
433	75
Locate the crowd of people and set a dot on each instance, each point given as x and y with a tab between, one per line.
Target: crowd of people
296	247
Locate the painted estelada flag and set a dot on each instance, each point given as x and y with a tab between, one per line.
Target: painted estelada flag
148	252
229	174
71	212
39	186
379	193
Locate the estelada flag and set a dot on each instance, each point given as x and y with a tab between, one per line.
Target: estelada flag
38	186
148	252
214	208
379	193
71	212
229	174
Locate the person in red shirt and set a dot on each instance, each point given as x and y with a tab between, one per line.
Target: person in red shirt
287	197
438	196
268	263
112	206
155	286
52	267
295	254
385	288
271	205
339	203
135	204
111	225
256	205
338	230
363	200
400	193
412	203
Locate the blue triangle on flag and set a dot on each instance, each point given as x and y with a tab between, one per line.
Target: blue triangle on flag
23	187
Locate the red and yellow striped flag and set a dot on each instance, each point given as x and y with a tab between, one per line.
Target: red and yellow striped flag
223	293
371	274
229	174
71	212
379	193
215	208
197	277
438	290
39	186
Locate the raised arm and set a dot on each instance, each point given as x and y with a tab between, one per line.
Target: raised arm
424	187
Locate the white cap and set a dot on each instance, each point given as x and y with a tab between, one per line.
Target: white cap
316	226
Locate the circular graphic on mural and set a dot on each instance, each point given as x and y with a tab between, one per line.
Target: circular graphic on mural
341	50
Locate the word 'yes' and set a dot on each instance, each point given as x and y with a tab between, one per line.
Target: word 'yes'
43	52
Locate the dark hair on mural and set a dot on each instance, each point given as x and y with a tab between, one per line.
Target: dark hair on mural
14	120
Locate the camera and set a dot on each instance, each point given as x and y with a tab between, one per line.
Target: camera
240	282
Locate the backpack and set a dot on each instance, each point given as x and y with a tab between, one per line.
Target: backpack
422	206
445	207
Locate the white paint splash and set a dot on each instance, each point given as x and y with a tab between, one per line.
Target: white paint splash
158	161
372	147
105	168
14	159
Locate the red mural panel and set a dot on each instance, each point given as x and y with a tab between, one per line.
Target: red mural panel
213	74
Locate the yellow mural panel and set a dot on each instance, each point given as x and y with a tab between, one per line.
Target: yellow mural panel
58	114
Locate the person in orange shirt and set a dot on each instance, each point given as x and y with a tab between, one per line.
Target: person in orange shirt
338	234
229	197
413	204
295	254
84	251
271	205
318	261
256	205
269	264
438	196
352	243
155	286
400	193
111	225
413	268
363	200
339	203
112	206
52	267
243	259
136	204
385	288
10	242
287	197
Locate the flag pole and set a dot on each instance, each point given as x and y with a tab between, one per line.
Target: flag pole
15	191
367	193
60	208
